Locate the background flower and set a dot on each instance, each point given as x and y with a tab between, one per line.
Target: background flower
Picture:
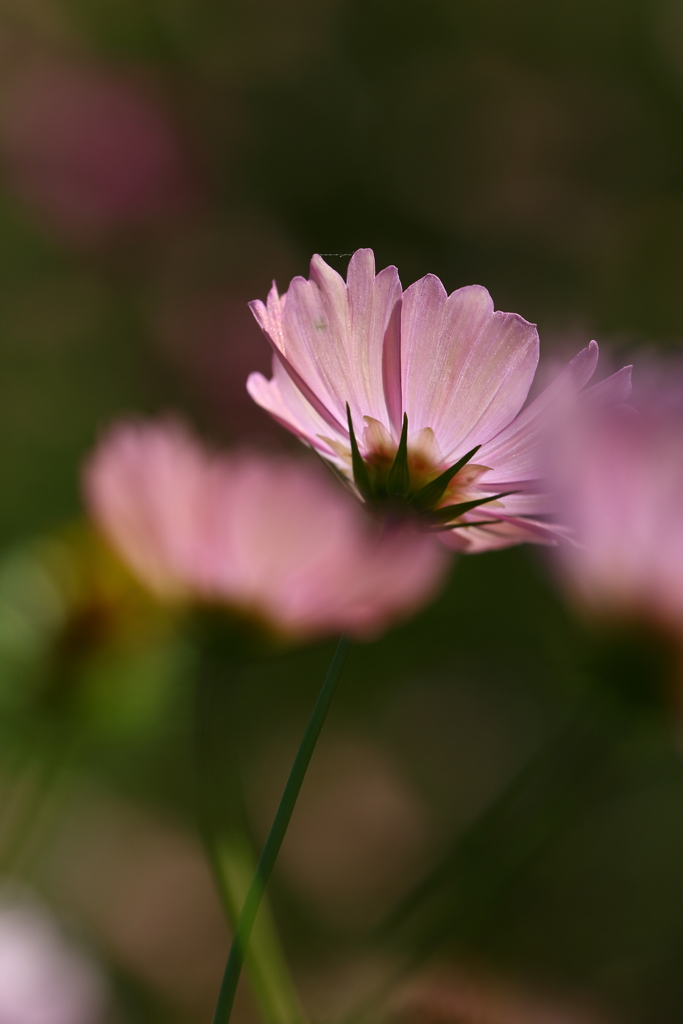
619	477
43	980
274	538
93	151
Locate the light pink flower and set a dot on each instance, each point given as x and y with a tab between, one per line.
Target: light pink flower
42	979
272	537
448	369
619	481
91	150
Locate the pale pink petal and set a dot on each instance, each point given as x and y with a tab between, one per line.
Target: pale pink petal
421	324
314	343
334	337
403	571
280	397
620	486
270	320
391	370
529	503
612	390
517	453
504	534
274	539
144	486
314	564
269	317
467	370
373	341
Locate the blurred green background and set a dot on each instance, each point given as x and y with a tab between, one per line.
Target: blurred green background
161	161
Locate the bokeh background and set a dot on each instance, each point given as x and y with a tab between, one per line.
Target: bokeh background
161	161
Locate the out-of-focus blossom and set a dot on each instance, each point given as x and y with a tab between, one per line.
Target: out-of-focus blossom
42	979
619	480
429	381
92	151
272	537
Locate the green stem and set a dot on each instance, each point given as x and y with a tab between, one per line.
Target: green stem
222	817
266	967
277	832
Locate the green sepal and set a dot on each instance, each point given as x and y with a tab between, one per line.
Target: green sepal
398	481
360	470
443	515
465	526
430	495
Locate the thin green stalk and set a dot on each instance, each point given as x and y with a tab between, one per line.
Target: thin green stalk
266	967
223	820
277	832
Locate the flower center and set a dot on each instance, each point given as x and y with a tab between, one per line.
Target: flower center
398	482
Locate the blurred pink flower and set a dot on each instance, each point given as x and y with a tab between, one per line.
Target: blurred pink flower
448	369
91	150
42	979
272	537
619	481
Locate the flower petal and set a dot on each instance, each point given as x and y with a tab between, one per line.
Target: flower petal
283	400
466	369
517	452
612	390
507	533
373	328
391	369
529	503
269	319
333	336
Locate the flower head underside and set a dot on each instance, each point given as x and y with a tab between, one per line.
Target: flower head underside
417	398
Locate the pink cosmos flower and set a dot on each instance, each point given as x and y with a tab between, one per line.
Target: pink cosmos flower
42	979
619	481
400	390
272	537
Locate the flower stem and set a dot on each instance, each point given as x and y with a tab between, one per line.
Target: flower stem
277	832
222	818
269	977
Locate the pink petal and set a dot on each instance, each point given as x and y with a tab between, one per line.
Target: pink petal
373	340
614	389
466	369
334	336
507	533
391	370
517	452
524	504
272	537
314	340
270	319
283	400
